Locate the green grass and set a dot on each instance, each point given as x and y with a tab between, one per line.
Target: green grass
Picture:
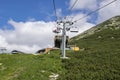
29	67
99	61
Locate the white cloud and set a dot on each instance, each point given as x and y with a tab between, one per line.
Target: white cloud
32	36
28	36
2	41
31	19
84	4
59	12
109	11
103	14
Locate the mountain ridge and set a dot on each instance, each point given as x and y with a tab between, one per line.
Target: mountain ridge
112	23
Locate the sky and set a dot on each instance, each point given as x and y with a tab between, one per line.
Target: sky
27	25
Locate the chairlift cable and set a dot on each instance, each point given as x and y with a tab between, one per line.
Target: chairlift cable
55	12
95	11
54	6
73	5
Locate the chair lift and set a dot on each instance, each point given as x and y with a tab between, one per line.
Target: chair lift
57	30
74	29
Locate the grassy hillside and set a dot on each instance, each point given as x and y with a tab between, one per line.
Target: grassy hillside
29	67
112	23
100	59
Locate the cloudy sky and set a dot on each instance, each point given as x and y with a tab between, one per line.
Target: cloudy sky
27	25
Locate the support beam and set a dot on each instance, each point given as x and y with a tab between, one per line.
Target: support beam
64	41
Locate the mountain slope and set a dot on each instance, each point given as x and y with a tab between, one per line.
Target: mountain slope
100	59
112	23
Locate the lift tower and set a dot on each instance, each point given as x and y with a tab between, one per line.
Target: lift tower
66	26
